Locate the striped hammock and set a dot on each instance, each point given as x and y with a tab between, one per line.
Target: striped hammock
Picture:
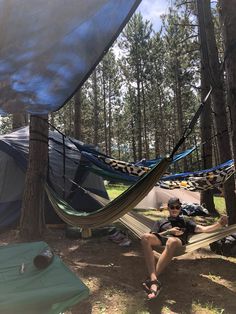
200	180
139	224
115	208
194	181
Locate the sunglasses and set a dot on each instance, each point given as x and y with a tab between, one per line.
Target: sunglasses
175	206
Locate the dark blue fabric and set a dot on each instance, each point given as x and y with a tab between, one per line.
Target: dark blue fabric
153	162
16	145
20	158
9	213
49	48
117	174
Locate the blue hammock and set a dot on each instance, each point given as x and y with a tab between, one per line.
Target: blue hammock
194	181
111	168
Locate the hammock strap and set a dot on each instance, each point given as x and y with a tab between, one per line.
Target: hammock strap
191	125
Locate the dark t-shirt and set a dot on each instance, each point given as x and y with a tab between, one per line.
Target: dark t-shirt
171	222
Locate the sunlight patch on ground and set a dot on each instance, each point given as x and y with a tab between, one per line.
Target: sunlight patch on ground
225	283
207	308
73	248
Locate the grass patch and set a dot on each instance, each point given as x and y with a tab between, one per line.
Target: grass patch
114	190
220	204
207	308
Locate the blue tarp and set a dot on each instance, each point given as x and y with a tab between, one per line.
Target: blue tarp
49	48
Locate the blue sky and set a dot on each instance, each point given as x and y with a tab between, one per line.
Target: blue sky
152	9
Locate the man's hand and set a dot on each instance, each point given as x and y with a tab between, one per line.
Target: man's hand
176	231
223	221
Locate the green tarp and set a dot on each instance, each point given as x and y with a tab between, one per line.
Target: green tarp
48	291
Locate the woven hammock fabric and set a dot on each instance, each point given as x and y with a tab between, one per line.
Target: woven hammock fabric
139	168
201	180
123	166
49	48
139	224
119	170
194	181
114	209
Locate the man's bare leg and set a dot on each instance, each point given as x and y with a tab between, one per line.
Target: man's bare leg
149	241
165	258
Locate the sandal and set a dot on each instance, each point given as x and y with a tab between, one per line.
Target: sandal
146	285
156	292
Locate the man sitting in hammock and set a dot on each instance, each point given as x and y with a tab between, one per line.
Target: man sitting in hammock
172	233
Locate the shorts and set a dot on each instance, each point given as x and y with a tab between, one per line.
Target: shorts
164	239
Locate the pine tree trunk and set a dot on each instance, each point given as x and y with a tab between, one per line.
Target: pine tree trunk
109	122
32	221
77	115
208	42
19	120
104	113
207	197
145	123
228	21
179	110
95	106
133	142
139	119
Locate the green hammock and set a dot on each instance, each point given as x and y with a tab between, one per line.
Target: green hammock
139	224
128	199
114	209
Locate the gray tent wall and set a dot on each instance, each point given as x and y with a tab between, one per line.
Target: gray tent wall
62	168
158	197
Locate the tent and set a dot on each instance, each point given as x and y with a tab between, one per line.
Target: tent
158	197
66	174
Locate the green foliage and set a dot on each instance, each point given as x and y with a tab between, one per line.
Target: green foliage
145	92
115	190
5	124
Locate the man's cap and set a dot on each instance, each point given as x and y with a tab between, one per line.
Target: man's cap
174	201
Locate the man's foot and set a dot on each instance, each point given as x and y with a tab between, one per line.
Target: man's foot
155	289
146	285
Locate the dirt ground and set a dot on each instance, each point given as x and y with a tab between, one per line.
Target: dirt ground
200	282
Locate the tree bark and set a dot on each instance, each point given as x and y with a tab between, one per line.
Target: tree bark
145	124
208	43
207	197
95	106
32	222
19	120
77	116
139	115
228	21
110	122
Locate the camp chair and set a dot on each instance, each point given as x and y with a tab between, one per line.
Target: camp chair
139	224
